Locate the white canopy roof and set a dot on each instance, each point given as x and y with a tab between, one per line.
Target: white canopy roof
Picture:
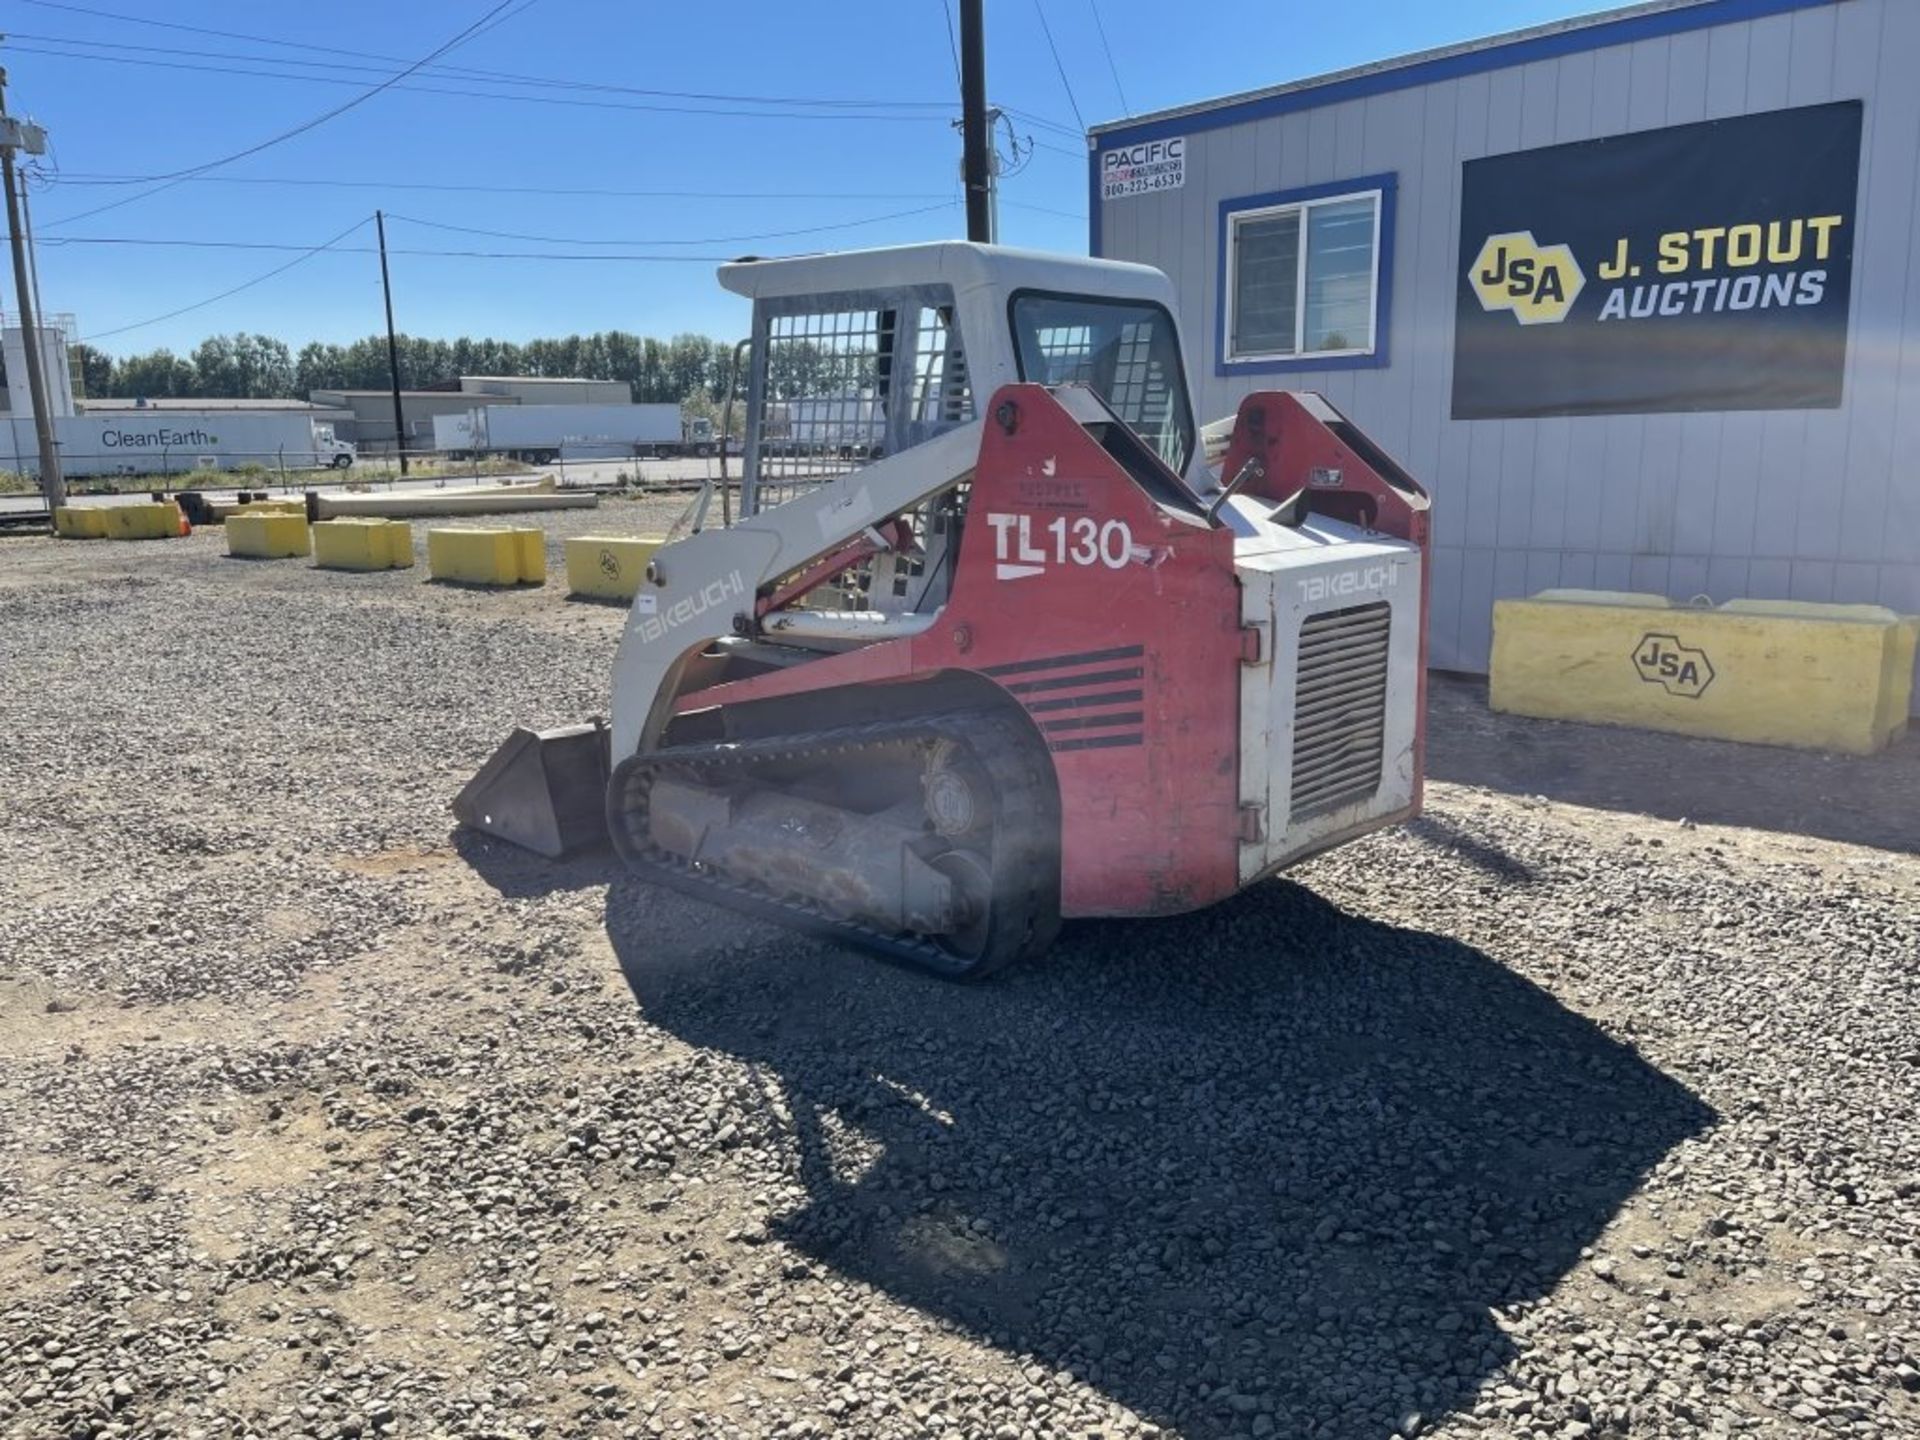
962	264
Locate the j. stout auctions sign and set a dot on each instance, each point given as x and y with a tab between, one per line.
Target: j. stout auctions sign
1699	267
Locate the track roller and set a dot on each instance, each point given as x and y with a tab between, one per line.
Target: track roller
932	840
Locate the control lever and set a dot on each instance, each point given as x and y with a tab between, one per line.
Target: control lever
1250	469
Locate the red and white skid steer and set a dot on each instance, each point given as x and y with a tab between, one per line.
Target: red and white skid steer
988	642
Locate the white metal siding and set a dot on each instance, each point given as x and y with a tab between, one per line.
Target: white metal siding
1806	505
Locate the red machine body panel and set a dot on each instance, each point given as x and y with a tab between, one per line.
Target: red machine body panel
1115	627
1114	623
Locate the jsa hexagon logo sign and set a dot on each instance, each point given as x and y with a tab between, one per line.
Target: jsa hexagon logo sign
1538	283
1682	670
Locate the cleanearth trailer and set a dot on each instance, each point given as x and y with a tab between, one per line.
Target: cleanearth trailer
170	442
1015	653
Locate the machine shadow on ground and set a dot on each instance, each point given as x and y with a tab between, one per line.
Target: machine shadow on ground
519	874
1856	799
1272	1159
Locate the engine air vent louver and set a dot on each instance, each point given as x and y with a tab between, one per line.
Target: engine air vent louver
1340	708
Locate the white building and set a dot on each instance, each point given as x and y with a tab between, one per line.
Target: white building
1633	295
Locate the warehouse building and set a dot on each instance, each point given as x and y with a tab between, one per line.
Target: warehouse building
546	390
1632	295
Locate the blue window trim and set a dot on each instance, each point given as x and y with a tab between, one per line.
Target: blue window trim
1601	35
1383	279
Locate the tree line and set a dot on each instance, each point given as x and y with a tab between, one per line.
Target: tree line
694	370
242	366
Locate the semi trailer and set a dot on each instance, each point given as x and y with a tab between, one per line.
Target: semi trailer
170	442
541	434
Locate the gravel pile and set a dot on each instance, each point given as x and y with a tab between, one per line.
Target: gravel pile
321	1120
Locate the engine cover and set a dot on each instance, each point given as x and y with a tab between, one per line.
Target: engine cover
1329	712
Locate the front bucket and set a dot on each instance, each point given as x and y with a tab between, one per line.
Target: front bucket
545	790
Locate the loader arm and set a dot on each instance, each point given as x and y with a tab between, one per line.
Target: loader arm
697	587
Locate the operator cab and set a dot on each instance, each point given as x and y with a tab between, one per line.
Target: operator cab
861	355
867	353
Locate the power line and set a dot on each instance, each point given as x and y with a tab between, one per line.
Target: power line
723	112
302	258
196	58
1065	84
1044	123
61	242
455	72
316	121
1080	215
1100	25
497	76
952	48
706	240
82	178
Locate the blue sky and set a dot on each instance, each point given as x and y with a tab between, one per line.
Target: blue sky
125	99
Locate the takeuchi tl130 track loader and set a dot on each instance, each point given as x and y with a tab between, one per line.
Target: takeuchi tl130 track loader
987	641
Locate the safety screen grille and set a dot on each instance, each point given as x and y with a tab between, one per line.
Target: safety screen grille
1066	353
1140	391
1137	388
1125	351
941	394
825	408
1340	708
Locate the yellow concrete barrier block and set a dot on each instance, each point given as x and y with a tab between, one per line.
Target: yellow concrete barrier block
142	522
1824	677
476	556
609	567
363	544
267	536
271	507
80	522
1637	598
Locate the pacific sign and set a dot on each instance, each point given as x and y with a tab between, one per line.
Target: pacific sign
1144	168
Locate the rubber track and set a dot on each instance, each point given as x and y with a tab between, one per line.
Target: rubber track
1025	863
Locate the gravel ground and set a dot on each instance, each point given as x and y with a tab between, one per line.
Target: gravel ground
318	1119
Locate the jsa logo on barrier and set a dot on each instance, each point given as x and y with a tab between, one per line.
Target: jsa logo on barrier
1316	588
1022	549
1682	670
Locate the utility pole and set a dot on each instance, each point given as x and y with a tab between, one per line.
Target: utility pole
393	346
976	159
15	136
994	115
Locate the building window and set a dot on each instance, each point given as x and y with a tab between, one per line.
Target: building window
1303	276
